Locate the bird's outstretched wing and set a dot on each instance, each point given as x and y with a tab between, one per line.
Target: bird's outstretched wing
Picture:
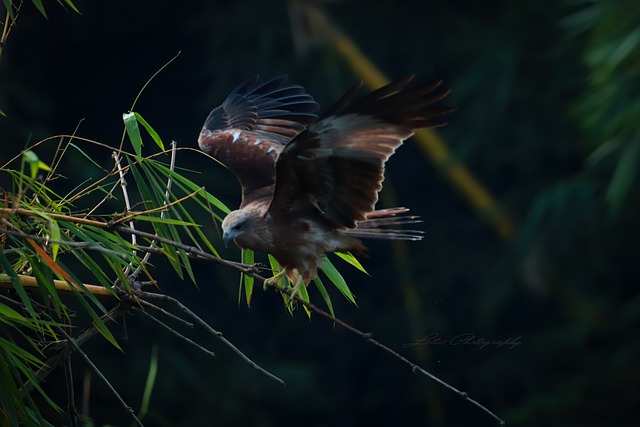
334	170
248	131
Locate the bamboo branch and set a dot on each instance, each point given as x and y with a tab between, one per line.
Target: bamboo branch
60	285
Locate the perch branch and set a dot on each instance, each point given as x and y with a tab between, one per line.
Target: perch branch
368	337
211	331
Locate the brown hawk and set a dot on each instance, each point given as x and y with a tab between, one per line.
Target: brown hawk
310	186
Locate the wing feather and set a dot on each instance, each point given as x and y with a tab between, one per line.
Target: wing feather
248	131
334	170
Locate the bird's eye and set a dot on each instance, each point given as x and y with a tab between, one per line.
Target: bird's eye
237	227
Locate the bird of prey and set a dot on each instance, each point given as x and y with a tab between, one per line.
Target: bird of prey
309	185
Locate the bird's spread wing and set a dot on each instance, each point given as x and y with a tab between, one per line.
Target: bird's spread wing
334	169
248	131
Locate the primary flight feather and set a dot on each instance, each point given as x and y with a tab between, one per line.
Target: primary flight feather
310	186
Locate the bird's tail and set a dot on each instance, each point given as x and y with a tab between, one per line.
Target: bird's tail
375	226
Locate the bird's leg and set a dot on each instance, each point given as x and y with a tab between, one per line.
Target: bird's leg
273	280
295	290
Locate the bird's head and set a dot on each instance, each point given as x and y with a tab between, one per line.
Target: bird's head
235	224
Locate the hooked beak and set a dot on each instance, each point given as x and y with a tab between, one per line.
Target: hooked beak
226	236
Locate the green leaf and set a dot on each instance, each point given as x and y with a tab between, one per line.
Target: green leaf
131	125
324	293
9	7
86	156
15	281
151	379
38	4
161	220
35	163
54	232
189	186
248	257
72	6
10	313
304	295
154	135
336	278
349	258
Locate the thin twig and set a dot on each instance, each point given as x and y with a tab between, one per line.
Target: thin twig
176	333
127	203
81	245
212	332
194	252
167	193
71	405
97	371
63	352
368	337
165	312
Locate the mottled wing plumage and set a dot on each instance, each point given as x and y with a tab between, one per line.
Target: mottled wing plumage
248	131
332	172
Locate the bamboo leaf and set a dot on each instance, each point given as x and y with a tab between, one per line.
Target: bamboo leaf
154	135
38	4
336	278
15	281
151	379
131	125
54	232
157	219
72	6
190	187
9	7
304	295
35	164
10	313
247	258
349	258
324	294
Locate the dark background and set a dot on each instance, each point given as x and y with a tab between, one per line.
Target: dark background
565	287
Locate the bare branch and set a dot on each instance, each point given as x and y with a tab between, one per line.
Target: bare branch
211	331
165	312
97	371
176	333
368	337
167	193
127	203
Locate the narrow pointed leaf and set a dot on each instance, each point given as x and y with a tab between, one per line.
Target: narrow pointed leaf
154	135
131	125
248	257
349	258
336	278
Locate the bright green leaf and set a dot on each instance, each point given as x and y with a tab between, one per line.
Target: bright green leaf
324	293
349	258
154	135
38	4
15	281
151	380
248	257
133	130
72	6
336	278
54	232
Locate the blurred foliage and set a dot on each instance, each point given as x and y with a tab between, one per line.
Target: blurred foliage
609	109
534	124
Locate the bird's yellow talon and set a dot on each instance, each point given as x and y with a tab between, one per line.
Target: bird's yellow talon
273	280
